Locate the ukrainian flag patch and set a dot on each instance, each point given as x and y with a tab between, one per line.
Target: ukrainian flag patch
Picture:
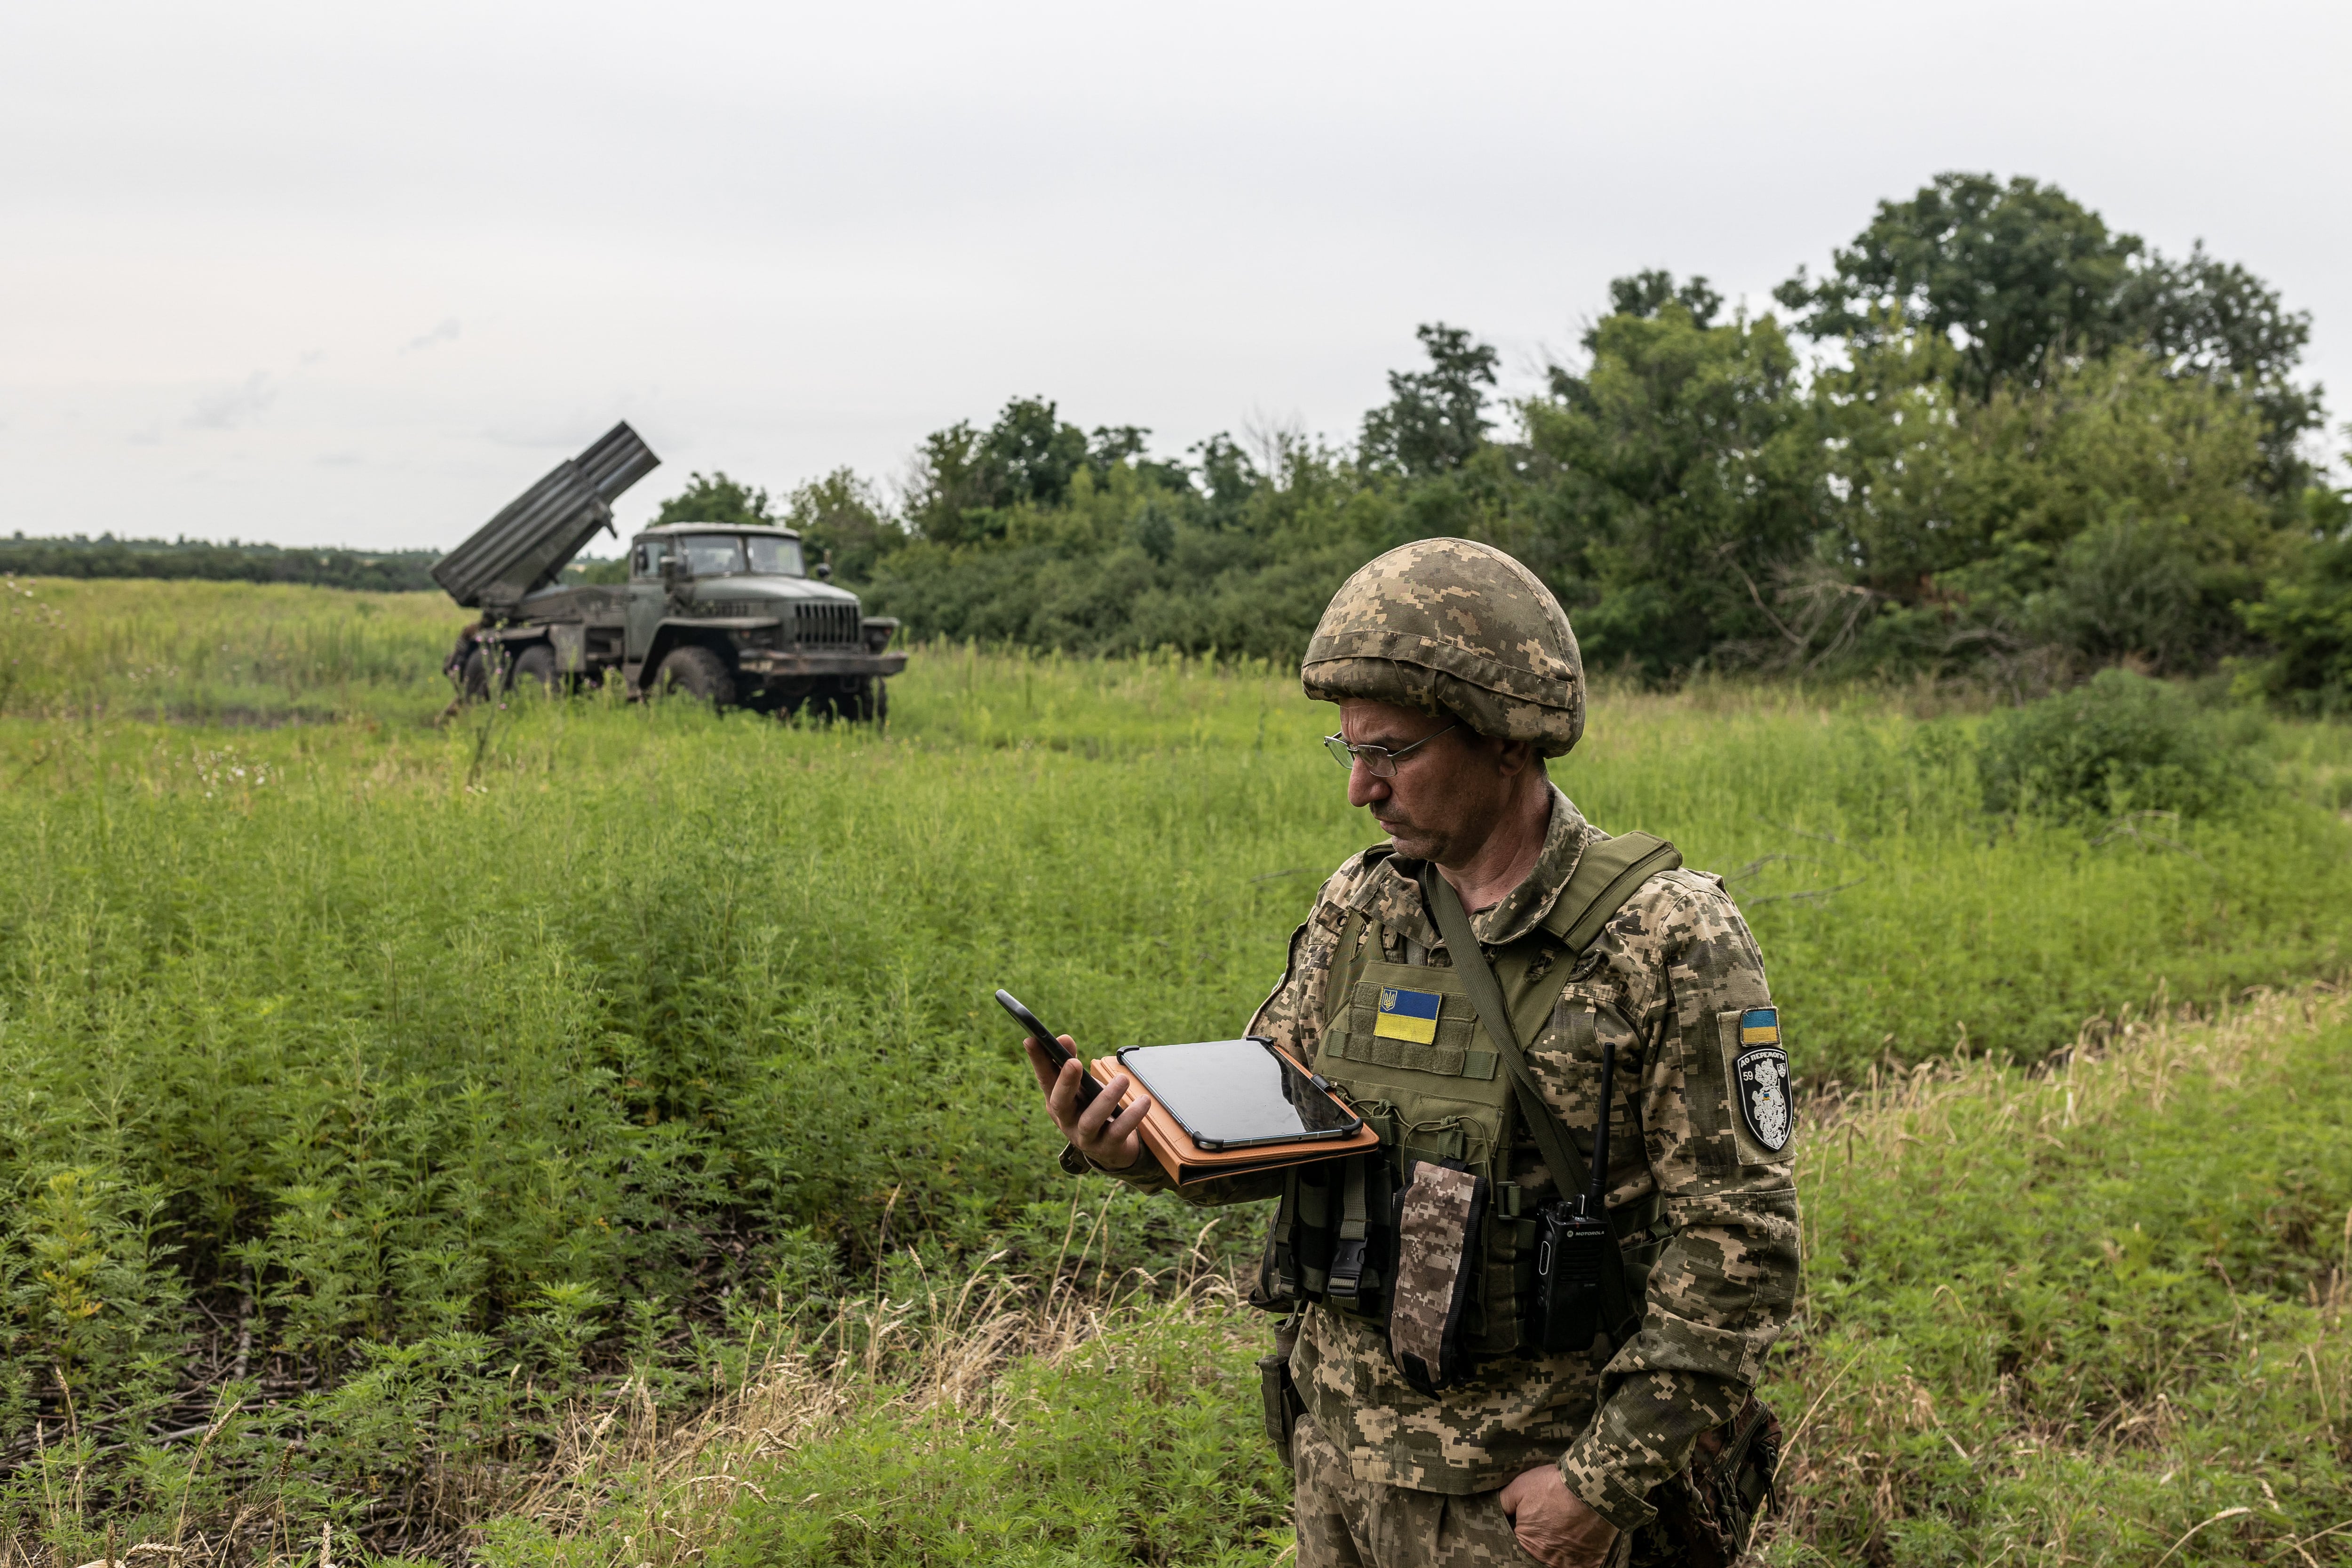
1408	1015
1759	1026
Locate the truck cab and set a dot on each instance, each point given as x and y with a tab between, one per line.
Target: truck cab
705	599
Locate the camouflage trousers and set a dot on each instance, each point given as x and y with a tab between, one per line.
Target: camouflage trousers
1344	1523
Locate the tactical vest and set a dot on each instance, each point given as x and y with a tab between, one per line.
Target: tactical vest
1333	1237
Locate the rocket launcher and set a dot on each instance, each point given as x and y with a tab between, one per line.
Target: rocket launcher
527	546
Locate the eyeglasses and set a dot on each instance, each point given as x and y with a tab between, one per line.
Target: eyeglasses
1379	761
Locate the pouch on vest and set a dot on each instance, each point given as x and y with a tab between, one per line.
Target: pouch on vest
1438	1251
1332	1239
1278	1393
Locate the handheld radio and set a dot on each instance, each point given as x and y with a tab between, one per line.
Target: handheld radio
1572	1235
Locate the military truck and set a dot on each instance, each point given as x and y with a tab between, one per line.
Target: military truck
722	613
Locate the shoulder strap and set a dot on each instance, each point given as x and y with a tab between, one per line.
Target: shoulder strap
1339	978
1606	875
1568	1171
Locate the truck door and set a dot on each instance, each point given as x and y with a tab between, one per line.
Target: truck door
648	600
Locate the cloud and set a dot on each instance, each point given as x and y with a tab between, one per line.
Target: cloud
234	405
446	333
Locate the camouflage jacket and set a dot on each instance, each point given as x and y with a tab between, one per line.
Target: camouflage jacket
1664	971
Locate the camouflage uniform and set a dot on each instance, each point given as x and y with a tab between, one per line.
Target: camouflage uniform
1666	981
1343	1521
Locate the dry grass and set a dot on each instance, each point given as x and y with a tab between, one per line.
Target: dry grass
623	1488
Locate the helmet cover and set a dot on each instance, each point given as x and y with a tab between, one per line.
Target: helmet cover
1453	626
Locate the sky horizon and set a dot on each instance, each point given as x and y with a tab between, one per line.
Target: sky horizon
326	278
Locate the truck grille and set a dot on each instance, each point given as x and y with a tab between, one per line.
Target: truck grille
803	622
823	623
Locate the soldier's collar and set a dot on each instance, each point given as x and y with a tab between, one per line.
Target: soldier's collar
1392	893
1525	906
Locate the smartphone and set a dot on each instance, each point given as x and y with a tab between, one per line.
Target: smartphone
1056	1052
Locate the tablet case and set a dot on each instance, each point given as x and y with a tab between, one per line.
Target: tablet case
1186	1161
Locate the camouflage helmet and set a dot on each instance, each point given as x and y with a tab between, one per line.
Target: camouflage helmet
1455	626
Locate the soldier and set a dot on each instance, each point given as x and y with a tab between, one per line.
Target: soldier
1429	1429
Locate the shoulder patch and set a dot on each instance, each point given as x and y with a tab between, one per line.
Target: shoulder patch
1756	1073
1759	1076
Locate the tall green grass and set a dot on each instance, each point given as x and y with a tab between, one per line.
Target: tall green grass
2097	1317
218	652
404	1082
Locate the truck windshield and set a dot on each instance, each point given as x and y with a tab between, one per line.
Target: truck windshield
712	554
723	555
775	557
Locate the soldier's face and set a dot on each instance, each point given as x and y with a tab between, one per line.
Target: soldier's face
1446	798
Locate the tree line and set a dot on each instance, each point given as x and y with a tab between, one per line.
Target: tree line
387	572
1993	437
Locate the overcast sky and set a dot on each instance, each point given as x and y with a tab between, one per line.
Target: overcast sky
320	273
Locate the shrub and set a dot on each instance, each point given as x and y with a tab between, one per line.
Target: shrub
2120	744
2307	620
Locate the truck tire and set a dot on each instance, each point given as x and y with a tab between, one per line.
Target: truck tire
478	675
697	673
867	702
535	671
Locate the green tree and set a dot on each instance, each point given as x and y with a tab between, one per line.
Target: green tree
1684	475
2022	282
2109	514
1435	418
714	497
1648	292
948	484
2009	274
965	479
2305	614
2219	322
841	519
1228	476
1126	446
1031	455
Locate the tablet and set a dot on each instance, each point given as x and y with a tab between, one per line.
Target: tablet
1233	1094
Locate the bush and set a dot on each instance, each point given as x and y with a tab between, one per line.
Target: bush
2306	617
2121	743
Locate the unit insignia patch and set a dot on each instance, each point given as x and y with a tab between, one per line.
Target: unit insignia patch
1762	1076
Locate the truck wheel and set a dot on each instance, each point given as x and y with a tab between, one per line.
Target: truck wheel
699	674
865	702
477	680
537	666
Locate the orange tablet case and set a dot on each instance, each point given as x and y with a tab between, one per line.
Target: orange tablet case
1186	1161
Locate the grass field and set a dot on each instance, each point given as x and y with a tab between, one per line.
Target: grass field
2096	1318
376	1097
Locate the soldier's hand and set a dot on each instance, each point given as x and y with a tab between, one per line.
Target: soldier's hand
1111	1141
1554	1525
